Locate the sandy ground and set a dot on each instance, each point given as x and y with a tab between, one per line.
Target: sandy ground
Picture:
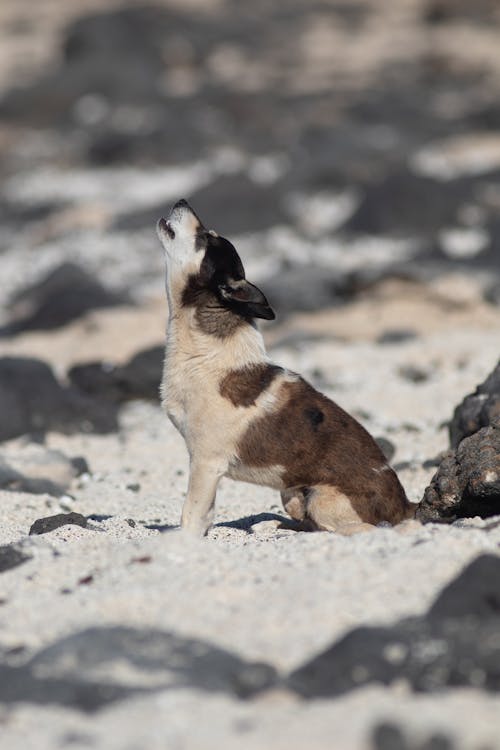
369	108
263	592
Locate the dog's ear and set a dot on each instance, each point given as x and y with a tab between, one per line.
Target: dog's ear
246	299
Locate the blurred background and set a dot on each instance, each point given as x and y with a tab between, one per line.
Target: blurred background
338	143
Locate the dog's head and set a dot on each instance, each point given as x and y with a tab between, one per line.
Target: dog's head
204	270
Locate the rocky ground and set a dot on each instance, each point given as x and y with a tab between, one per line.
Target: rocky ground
352	153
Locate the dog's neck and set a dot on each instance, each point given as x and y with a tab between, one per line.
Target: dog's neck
189	346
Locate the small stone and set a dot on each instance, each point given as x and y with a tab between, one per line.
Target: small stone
49	523
134	487
396	336
86	580
413	373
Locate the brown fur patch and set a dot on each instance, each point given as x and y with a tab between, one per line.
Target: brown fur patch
318	443
212	317
242	387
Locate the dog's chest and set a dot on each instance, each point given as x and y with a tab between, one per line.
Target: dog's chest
189	396
177	396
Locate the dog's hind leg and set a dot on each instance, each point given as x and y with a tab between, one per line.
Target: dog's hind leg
198	509
328	509
294	502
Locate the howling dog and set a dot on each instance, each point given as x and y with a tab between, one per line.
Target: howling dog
243	416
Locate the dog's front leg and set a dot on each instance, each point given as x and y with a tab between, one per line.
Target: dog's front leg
198	510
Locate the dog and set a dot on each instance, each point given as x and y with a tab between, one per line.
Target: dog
243	416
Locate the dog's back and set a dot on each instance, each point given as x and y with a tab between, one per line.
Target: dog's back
320	451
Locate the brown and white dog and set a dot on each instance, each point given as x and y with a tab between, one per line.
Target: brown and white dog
243	416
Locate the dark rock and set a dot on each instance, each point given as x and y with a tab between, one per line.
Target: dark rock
49	523
96	379
453	646
299	287
467	483
139	378
475	592
429	656
11	557
65	294
446	11
479	409
396	336
403	202
183	661
72	667
48	406
21	685
305	288
386	446
115	54
402	466
232	205
492	294
413	373
388	736
80	465
110	148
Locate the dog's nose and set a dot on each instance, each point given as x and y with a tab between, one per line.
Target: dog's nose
181	204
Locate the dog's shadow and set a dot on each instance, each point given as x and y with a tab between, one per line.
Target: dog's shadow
248	522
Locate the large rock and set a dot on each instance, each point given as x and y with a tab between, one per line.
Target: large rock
467	482
453	646
405	202
477	410
70	671
231	204
65	294
33	401
139	378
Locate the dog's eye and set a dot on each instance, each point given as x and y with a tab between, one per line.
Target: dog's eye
170	231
